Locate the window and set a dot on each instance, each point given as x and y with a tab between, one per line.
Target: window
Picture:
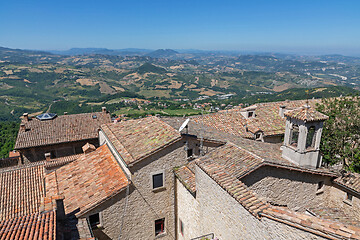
349	197
94	219
189	152
159	226
311	137
294	135
158	180
250	114
181	227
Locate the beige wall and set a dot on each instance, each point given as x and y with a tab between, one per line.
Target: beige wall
222	215
337	196
187	212
293	189
145	205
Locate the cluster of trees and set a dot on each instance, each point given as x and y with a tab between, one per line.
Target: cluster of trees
341	133
8	133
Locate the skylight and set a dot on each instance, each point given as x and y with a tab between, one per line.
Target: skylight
46	116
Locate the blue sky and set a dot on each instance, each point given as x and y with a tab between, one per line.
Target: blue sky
303	26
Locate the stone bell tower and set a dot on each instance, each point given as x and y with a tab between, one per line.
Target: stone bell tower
302	136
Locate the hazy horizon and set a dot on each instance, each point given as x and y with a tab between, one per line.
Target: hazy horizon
306	27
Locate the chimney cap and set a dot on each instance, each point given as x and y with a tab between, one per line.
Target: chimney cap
26	114
103	109
65	113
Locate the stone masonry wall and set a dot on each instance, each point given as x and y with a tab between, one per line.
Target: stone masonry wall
145	205
222	215
337	198
187	213
294	189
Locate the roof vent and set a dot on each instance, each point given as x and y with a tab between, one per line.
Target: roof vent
94	116
46	116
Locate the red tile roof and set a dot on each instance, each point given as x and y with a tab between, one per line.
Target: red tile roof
21	190
137	139
88	181
65	128
57	162
317	225
259	208
306	114
186	175
350	181
267	118
33	226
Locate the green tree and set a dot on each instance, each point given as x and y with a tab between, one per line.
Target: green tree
341	132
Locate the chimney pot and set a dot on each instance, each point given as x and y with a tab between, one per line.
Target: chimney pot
22	126
26	117
65	113
282	110
103	109
48	156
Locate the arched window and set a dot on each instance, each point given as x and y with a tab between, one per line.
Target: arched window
311	137
294	135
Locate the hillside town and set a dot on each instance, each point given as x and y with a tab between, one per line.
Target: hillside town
252	172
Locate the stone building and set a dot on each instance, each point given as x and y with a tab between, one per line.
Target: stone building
144	179
262	121
58	135
248	190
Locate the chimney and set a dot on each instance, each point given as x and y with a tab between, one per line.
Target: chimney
22	127
87	148
60	209
103	109
26	117
282	110
65	113
48	157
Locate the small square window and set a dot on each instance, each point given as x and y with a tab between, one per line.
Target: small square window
158	180
94	219
159	226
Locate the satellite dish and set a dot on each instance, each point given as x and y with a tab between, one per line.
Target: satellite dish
184	124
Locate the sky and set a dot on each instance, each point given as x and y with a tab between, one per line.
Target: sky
301	26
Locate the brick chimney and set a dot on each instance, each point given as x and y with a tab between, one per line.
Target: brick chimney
22	127
87	148
103	109
26	117
48	157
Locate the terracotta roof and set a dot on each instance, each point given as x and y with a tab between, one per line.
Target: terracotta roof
267	118
350	180
33	226
21	190
186	175
238	190
307	114
335	214
57	162
136	139
259	208
88	181
319	226
65	128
